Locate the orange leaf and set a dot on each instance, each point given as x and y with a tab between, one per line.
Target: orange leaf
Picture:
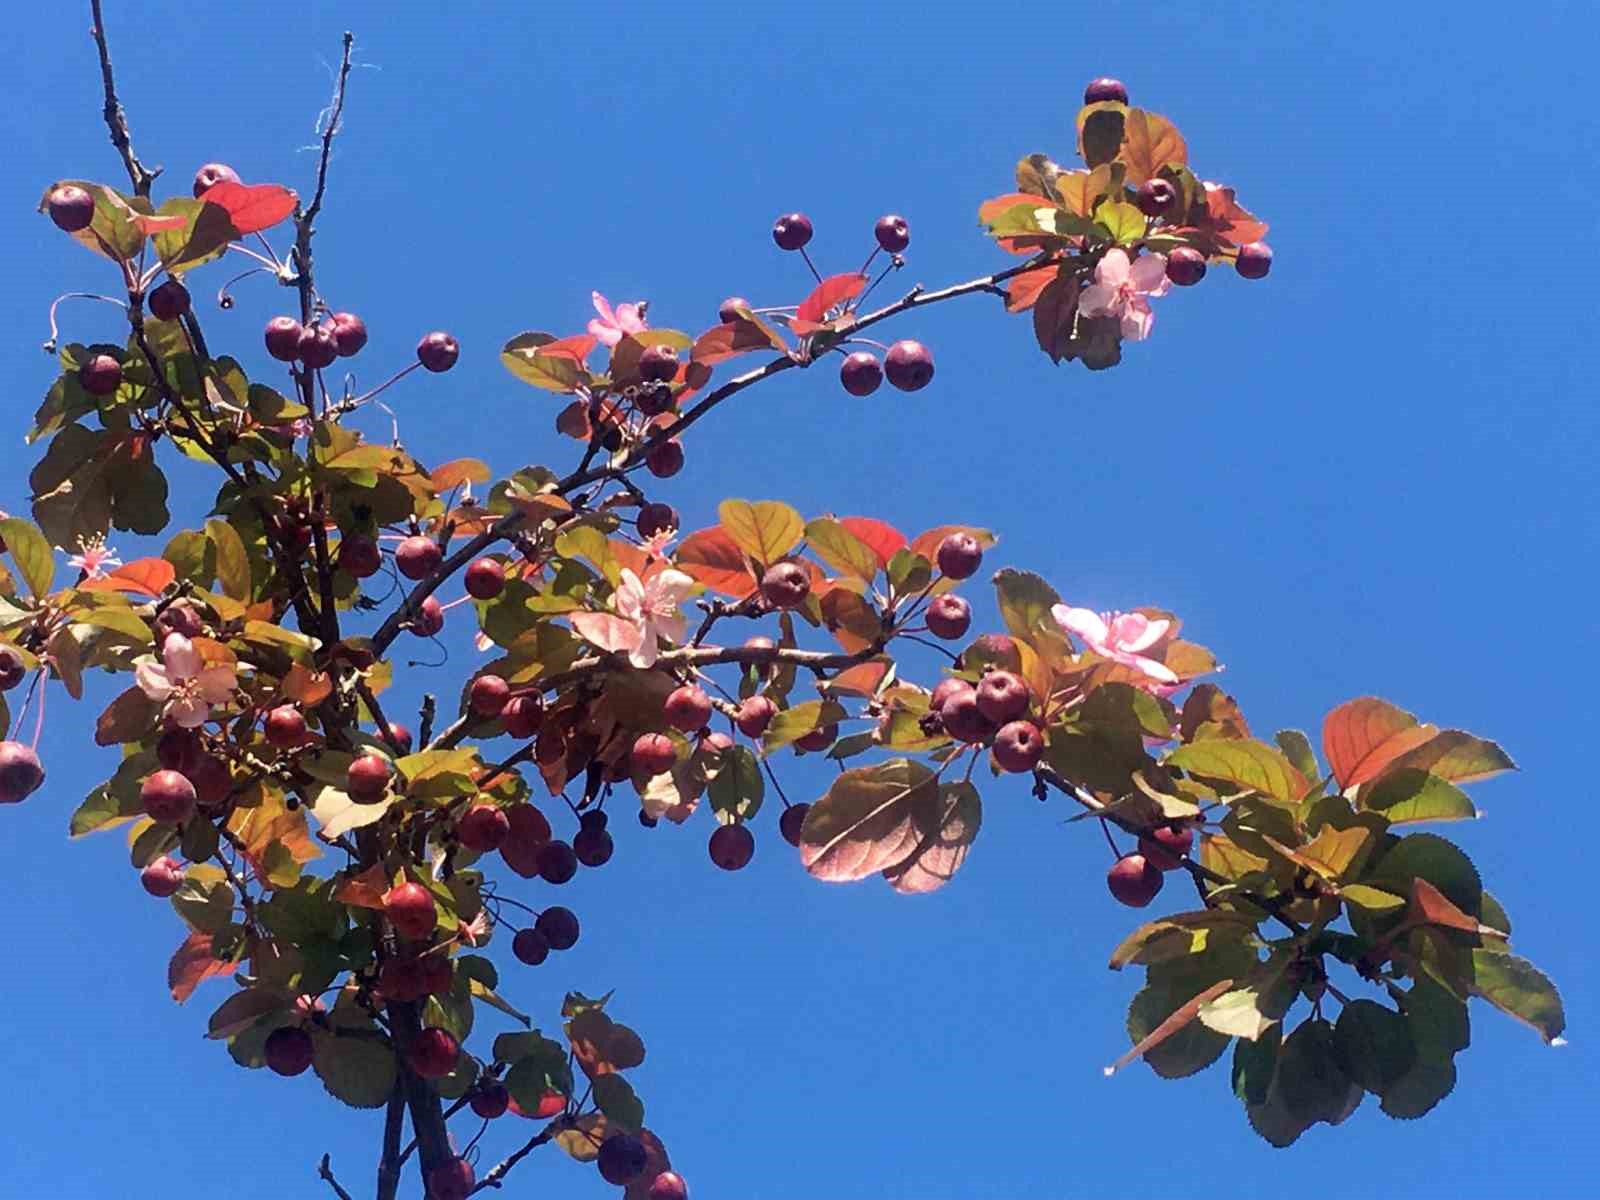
881	538
573	420
1354	733
308	687
834	290
1430	907
577	347
1150	142
1022	290
860	680
149	225
252	207
193	964
143	576
734	338
365	890
711	557
1230	219
458	471
927	542
1081	191
990	209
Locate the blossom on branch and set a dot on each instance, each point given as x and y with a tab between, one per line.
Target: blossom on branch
610	326
94	557
647	613
1120	289
1119	637
181	681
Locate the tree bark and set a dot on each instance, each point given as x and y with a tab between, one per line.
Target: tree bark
427	1110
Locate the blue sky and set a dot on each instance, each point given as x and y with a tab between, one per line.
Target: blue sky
1370	473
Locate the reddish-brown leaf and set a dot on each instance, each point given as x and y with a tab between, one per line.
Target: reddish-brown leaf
711	557
142	576
126	718
365	890
881	538
193	964
1054	317
577	347
1356	738
1229	219
252	206
458	471
1150	142
990	209
1022	290
927	542
306	686
850	619
573	420
735	338
1430	907
860	680
834	290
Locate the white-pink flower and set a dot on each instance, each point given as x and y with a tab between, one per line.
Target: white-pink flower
94	557
182	682
1121	289
1118	636
647	613
610	325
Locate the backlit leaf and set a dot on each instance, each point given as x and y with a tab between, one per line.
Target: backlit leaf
832	291
357	1070
946	828
30	552
714	559
766	530
1357	738
865	824
1518	988
141	577
252	206
733	338
1150	142
1244	762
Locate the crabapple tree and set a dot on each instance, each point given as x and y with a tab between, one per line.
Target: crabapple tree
359	901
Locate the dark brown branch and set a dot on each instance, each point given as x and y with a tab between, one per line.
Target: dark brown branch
325	1170
116	117
303	222
389	1165
502	1169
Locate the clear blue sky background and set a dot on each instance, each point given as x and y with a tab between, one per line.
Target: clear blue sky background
1371	473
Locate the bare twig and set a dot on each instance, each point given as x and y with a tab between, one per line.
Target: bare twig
325	1170
502	1169
116	117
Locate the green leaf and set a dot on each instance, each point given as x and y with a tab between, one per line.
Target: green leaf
1025	603
1519	989
794	723
117	800
243	1009
1428	856
1373	1044
1297	749
1191	1049
1458	757
766	530
1313	1085
205	234
1440	1027
206	906
908	573
614	1097
1121	221
532	1075
356	1070
1245	762
553	372
738	787
1179	935
30	552
1416	1092
233	563
1254	1064
1372	899
841	549
1412	794
192	557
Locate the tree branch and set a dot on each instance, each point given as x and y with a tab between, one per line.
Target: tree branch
303	221
116	117
393	1126
325	1170
503	1168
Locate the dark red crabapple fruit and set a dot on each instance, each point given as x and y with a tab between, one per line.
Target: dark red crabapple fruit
665	459
417	557
433	1053
792	231
861	373
818	739
728	310
557	862
1254	260
488	695
892	232
430	618
1186	266
656	518
438	351
963	719
993	648
283	338
652	754
1018	746
485	578
71	208
402	980
622	1159
732	847
949	617
785	585
668	1185
754	715
530	947
794	817
453	1180
360	556
1103	89
399	737
101	375
483	828
523	715
491	1100
593	847
349	333
1003	696
959	555
1133	881
367	778
658	364
316	347
169	301
1164	848
213	781
163	877
285	726
12	669
909	365
20	772
410	909
437	974
943	690
595	818
288	1050
559	926
687	708
167	797
178	750
1155	197
213	173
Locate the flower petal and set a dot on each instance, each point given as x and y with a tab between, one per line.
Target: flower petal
188	712
630	598
674	584
1150	633
1149	274
152	678
644	656
1085	622
671	627
181	658
1148	666
1098	300
606	335
603	307
216	684
606	631
1113	269
1137	320
629	319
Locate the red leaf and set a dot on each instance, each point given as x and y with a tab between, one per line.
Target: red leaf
143	576
734	338
193	963
1230	219
1361	737
1054	317
990	209
577	347
835	289
881	538
252	207
573	420
1022	290
711	557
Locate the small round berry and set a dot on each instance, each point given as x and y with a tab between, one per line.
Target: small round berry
949	616
485	578
1155	197
1165	847
1254	260
434	1053
349	333
687	708
530	947
653	399
71	208
557	862
785	585
283	338
288	1050
167	797
429	619
101	375
861	373
491	1100
731	309
1133	881
12	669
367	778
559	926
178	750
792	231
963	719
656	518
892	232
523	715
169	301
411	910
1186	266
488	695
1103	89
483	828
1018	747
794	817
417	557
909	365
593	847
732	847
658	364
438	351
360	556
213	173
163	877
754	715
285	726
959	555
622	1159
316	347
1003	696
665	459
652	754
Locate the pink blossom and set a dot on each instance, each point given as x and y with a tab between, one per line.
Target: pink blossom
1119	637
183	682
1120	289
94	558
647	613
609	326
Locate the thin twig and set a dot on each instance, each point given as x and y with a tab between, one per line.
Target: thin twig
116	117
303	222
325	1170
502	1169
